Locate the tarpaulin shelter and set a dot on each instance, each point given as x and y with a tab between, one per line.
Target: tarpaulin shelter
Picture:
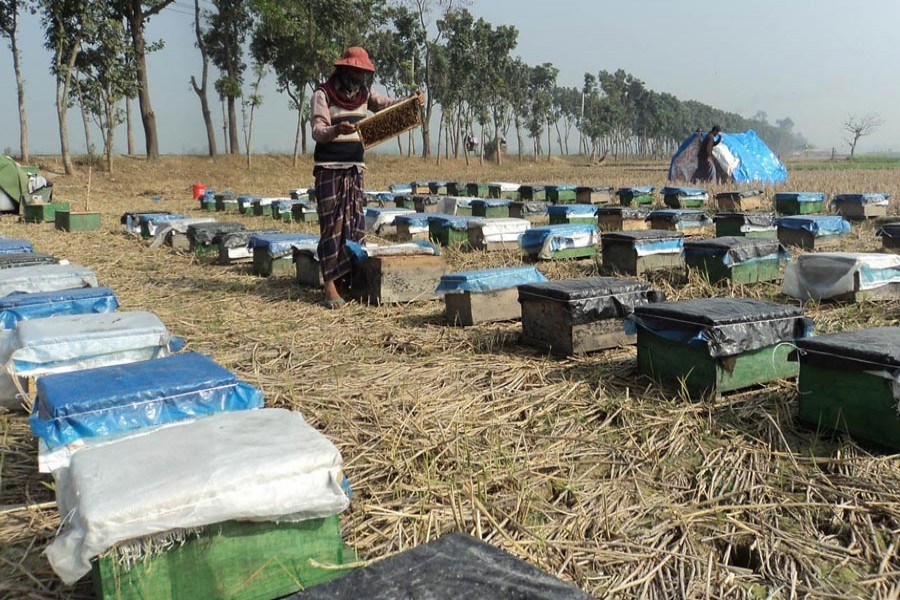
739	158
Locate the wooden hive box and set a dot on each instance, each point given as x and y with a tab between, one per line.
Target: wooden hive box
636	196
496	234
419	188
414	226
559	194
683	197
262	207
204	238
423	204
396	274
389	123
380	221
843	277
687	220
575	316
619	218
812	232
437	187
407	202
502	190
449	230
557	242
477	190
532	193
473	297
593	195
643	251
572	213
43	213
273	253
847	384
226	203
752	225
736	259
890	237
456	188
534	211
496	208
799	203
861	206
718	345
306	263
302	212
739	201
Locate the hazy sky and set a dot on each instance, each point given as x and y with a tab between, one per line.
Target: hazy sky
815	61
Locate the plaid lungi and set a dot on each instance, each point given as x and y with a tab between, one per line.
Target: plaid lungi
339	202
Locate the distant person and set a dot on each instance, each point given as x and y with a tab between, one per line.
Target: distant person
339	161
706	166
471	143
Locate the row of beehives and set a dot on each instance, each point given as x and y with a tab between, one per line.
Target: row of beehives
159	456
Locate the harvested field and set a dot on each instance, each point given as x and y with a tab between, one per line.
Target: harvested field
580	466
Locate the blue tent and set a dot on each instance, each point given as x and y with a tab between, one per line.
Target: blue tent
740	158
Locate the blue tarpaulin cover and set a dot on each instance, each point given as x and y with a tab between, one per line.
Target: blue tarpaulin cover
400	188
536	236
635	191
280	244
359	253
686	192
817	225
452	222
492	203
572	209
282	205
15	246
22	307
868	198
113	400
800	196
748	159
156	218
560	187
417	219
488	280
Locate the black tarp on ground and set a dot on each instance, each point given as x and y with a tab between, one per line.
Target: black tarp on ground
627	212
593	298
454	567
755	219
728	326
211	233
865	349
26	259
642	235
737	248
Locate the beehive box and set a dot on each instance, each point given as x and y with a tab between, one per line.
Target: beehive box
389	123
282	210
799	203
204	238
208	202
574	316
890	237
684	197
861	206
532	193
456	188
593	195
739	201
226	203
273	253
233	246
496	234
639	252
308	269
302	212
618	218
245	205
718	345
449	230
558	194
489	295
262	207
437	187
414	226
572	213
843	277
636	196
407	202
477	190
381	220
556	242
534	211
424	204
845	384
132	219
736	259
752	225
66	220
687	220
14	260
503	190
812	232
43	213
418	188
148	222
497	208
395	274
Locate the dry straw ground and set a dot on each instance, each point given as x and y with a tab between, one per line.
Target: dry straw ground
579	466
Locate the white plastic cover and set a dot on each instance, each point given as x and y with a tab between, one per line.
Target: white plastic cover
500	230
825	275
164	228
506	186
45	278
377	218
261	465
555	243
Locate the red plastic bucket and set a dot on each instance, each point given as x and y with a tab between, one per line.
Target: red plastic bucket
199	190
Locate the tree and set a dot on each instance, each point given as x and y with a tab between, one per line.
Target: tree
249	104
859	127
541	83
228	28
9	28
136	13
201	89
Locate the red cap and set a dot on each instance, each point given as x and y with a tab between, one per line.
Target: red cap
357	57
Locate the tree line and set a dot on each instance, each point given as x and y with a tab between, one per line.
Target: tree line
474	83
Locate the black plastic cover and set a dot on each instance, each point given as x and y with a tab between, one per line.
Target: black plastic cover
891	230
211	233
865	349
627	212
737	195
592	299
454	567
585	188
427	200
737	247
124	218
239	239
730	326
26	259
642	235
756	219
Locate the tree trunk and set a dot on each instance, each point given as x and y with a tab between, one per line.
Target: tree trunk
129	127
224	123
518	125
110	130
549	141
20	90
204	77
235	147
85	121
62	94
303	148
426	132
148	117
297	136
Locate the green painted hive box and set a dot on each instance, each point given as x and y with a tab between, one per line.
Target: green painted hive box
572	213
848	384
262	207
799	203
682	197
507	191
304	213
437	187
282	210
231	560
477	190
405	202
227	203
717	345
641	251
449	230
532	193
204	238
423	204
739	201
556	242
636	196
273	253
455	188
752	225
208	204
497	208
76	221
736	259
43	213
558	194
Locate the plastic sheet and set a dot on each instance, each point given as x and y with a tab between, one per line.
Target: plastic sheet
725	326
26	259
45	278
682	215
131	220
490	203
262	465
890	230
211	233
419	219
278	245
818	225
741	157
500	230
240	239
648	242
552	238
359	253
875	349
15	246
505	186
800	196
750	221
580	210
738	194
163	229
735	250
110	401
592	299
630	192
458	223
868	199
285	204
24	307
488	280
824	275
153	221
684	192
263	201
533	208
376	218
453	567
626	212
400	188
